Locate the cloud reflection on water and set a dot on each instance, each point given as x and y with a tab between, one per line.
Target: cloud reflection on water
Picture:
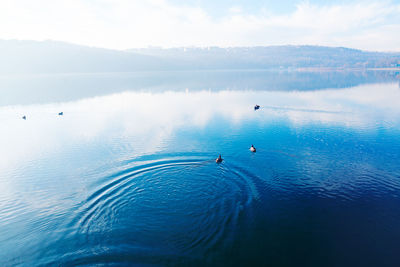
151	118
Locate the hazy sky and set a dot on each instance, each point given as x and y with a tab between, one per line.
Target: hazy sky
122	24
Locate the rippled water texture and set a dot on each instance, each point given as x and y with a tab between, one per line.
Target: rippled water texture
130	178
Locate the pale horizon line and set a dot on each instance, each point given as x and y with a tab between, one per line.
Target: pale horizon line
195	46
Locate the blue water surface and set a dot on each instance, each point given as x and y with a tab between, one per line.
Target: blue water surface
129	177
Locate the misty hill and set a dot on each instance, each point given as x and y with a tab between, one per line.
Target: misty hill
276	56
59	57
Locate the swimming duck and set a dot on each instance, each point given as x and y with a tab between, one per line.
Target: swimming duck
24	117
61	113
256	107
252	148
219	159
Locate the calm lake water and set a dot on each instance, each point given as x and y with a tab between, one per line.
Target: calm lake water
127	176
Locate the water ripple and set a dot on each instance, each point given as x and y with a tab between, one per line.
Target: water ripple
186	206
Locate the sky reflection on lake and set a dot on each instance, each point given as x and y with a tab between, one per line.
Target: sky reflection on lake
129	172
154	117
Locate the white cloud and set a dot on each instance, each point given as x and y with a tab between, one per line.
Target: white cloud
124	24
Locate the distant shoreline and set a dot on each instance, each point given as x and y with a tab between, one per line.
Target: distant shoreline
276	69
328	69
396	69
57	57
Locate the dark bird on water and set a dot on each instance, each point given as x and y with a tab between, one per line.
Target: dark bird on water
24	117
252	148
256	107
219	159
61	113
